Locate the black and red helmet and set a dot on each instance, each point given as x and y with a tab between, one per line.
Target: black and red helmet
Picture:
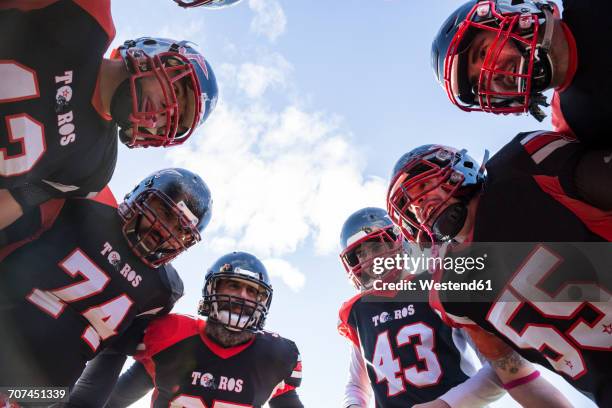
236	313
168	62
423	170
368	234
165	214
526	25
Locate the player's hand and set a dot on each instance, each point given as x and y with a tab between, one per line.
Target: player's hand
438	403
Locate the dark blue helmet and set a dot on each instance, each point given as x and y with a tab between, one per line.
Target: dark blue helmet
368	234
168	62
423	170
165	214
212	4
232	311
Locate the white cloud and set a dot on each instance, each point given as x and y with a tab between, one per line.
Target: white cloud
281	178
269	19
290	275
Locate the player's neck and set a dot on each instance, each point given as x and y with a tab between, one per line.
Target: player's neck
560	55
465	235
112	73
224	337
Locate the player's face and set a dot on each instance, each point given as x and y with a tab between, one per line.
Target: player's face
367	252
495	54
161	230
238	288
428	202
153	100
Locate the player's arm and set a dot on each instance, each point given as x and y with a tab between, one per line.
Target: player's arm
17	201
479	390
11	210
100	376
97	381
519	377
288	399
285	394
593	178
132	385
357	391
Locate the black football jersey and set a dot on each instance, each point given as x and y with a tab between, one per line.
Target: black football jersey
411	356
191	370
545	252
73	291
54	134
582	107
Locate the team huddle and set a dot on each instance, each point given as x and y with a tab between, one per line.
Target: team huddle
86	280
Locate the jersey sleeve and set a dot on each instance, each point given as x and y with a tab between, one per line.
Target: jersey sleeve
29	226
357	390
344	327
295	377
165	331
174	284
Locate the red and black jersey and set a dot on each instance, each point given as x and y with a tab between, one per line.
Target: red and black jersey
54	134
411	356
581	107
190	370
544	253
73	291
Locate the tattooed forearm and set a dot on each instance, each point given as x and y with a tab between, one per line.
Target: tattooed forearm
511	362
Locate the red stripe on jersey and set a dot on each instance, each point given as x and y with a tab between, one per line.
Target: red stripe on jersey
539	141
222	352
100	10
298	366
282	390
49	211
596	220
344	328
165	332
106	196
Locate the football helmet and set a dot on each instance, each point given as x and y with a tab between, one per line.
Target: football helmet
170	63
212	4
165	214
366	235
234	312
423	170
526	25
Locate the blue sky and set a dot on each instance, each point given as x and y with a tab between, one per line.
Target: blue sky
317	101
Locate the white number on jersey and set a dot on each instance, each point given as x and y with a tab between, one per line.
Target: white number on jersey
388	368
104	318
525	285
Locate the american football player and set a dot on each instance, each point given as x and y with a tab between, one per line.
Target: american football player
97	272
211	4
62	102
226	360
521	219
500	56
393	333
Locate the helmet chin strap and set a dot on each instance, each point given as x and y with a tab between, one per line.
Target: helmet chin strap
450	221
543	78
